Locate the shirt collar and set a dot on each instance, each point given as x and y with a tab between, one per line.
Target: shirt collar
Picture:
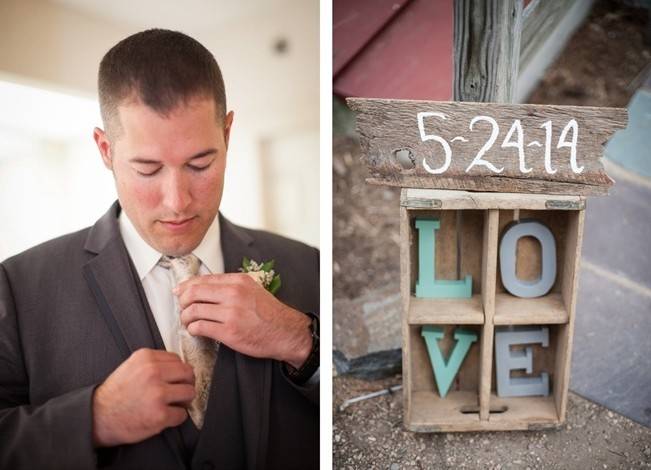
209	250
145	258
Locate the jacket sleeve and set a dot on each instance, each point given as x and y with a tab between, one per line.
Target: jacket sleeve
310	389
55	433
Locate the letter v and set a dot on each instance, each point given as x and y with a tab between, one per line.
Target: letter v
445	372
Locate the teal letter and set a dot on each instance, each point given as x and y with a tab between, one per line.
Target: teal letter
445	373
427	285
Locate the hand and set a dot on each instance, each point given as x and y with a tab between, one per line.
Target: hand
146	394
235	310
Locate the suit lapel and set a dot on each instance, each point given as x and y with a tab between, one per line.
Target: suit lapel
118	298
112	281
236	244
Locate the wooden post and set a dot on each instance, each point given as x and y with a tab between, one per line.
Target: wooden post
486	49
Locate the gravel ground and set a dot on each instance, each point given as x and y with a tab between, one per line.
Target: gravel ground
370	435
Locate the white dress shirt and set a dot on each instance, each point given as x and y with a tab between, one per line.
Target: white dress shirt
157	281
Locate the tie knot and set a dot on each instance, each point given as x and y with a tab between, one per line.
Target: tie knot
183	267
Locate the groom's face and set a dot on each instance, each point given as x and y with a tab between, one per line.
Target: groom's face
169	170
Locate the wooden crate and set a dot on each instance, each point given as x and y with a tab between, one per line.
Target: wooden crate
467	243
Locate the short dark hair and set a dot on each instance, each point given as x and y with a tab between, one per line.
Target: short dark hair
160	68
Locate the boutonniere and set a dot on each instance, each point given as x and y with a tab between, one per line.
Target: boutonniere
263	273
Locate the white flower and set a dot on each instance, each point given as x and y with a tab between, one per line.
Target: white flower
268	277
258	276
262	274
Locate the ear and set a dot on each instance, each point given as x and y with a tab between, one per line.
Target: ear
104	147
228	122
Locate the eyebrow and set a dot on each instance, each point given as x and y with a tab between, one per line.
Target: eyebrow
194	157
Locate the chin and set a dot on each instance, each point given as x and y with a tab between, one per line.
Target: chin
176	248
179	251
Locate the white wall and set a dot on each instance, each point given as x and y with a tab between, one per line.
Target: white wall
288	161
57	46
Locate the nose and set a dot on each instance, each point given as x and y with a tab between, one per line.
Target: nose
176	192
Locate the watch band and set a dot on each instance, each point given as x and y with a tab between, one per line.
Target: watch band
311	364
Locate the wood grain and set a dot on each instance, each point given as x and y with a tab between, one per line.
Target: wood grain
432	413
414	198
569	292
386	127
446	311
406	264
489	268
511	310
486	49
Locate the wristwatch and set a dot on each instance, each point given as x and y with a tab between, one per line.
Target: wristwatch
311	364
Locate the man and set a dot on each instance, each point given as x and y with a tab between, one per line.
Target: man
135	343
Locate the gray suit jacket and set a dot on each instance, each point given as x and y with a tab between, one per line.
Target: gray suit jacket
73	309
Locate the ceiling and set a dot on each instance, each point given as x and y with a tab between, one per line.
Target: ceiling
193	16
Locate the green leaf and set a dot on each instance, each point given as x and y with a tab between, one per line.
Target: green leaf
246	262
268	266
275	284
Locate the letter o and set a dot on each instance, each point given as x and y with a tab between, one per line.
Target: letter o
508	251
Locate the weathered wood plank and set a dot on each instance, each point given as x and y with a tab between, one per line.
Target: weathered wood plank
539	311
404	150
414	198
406	266
486	49
569	292
489	273
432	413
446	311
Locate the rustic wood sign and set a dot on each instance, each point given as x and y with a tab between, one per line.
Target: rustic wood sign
486	146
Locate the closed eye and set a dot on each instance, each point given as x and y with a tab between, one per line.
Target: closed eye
199	168
151	173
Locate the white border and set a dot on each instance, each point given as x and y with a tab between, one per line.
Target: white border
326	232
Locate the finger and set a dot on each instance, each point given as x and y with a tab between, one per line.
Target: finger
203	293
211	312
175	415
155	355
179	394
207	328
215	293
177	373
224	278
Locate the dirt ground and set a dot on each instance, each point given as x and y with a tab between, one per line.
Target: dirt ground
366	253
602	65
605	61
370	435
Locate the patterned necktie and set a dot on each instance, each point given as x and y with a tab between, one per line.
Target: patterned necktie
198	351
